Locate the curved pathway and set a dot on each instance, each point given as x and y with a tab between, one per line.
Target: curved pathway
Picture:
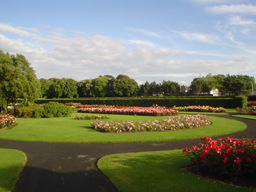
71	167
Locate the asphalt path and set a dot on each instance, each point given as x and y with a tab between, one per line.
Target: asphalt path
72	167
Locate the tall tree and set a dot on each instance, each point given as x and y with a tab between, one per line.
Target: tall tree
144	89
170	88
45	88
238	84
100	86
84	88
17	79
124	86
199	85
70	88
155	88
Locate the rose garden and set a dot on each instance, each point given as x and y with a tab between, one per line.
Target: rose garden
231	161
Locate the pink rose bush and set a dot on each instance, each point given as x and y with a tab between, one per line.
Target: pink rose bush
6	121
172	123
225	156
201	109
147	111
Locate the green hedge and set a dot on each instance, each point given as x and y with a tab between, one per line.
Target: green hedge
252	98
50	109
226	102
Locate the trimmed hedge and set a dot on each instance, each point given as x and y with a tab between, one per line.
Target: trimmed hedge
226	102
252	98
50	109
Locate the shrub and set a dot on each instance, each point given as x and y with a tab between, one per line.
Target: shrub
51	109
232	157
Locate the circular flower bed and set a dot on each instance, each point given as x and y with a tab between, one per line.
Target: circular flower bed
172	123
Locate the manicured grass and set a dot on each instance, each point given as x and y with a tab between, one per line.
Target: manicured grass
228	112
157	171
65	129
11	164
246	116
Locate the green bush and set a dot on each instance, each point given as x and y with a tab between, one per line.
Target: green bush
51	109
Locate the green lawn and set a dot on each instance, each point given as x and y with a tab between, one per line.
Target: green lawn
157	171
246	116
65	129
228	112
11	164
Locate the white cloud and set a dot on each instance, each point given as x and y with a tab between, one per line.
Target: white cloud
146	32
236	20
231	9
217	1
19	31
205	38
88	57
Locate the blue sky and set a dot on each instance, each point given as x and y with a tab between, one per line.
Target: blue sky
148	40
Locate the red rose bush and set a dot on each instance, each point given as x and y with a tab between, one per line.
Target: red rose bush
232	157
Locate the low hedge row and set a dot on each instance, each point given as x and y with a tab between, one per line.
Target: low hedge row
226	102
51	109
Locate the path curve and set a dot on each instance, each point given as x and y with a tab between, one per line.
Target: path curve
71	167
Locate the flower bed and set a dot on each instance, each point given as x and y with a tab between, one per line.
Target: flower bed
172	123
232	157
200	109
89	117
148	111
250	110
6	121
251	103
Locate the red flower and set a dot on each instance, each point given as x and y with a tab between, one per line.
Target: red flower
225	159
248	159
238	160
185	150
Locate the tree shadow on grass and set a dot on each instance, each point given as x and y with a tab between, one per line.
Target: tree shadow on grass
8	177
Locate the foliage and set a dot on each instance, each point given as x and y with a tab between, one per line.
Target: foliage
170	88
130	111
124	86
100	86
201	109
171	124
6	121
199	85
51	109
228	156
229	84
84	88
226	102
17	79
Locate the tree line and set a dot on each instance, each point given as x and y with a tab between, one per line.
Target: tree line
105	86
18	81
